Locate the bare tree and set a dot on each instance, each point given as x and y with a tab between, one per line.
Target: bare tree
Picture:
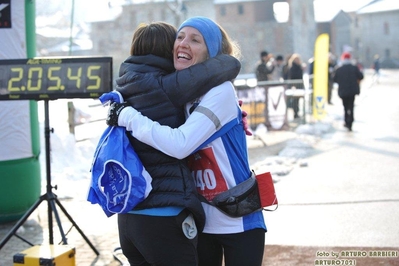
179	10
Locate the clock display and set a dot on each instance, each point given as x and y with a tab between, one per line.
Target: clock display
54	78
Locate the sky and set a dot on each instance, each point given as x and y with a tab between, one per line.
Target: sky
331	5
345	5
108	9
325	10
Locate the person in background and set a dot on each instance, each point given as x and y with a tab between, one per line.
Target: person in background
295	71
265	67
153	232
214	139
285	67
376	66
348	77
278	66
331	69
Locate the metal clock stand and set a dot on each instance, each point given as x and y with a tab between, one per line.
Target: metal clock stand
51	199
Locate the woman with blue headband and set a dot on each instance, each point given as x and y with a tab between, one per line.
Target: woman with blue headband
214	141
162	229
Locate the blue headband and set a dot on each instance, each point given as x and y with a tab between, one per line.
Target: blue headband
209	30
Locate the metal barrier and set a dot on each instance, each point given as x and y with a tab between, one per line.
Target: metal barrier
268	102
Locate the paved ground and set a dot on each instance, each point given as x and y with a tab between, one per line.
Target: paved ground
347	197
345	201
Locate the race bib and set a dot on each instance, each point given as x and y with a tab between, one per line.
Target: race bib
206	173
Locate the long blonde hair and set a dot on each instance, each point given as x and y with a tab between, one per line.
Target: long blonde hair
229	46
293	58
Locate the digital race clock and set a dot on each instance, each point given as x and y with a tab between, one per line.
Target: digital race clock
53	78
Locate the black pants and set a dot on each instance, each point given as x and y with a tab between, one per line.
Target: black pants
242	249
156	240
329	92
295	106
349	103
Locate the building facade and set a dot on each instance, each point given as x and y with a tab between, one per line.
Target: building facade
258	25
376	32
252	24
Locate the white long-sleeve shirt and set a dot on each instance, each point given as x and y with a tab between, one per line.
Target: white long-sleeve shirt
216	167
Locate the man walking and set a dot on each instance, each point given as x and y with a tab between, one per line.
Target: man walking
348	77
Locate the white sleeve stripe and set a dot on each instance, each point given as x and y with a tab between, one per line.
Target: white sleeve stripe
208	113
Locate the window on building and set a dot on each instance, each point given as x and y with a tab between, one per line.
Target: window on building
222	11
281	11
240	9
386	28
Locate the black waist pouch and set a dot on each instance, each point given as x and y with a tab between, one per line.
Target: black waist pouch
240	200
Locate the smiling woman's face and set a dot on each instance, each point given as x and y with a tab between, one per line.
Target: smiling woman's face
189	48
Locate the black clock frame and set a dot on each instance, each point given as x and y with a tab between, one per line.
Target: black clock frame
51	78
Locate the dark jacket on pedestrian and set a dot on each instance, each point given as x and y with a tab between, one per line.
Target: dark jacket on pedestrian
295	71
144	85
348	77
263	71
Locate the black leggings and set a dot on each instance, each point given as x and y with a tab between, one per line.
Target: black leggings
238	249
156	240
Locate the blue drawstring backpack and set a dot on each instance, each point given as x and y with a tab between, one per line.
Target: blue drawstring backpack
119	180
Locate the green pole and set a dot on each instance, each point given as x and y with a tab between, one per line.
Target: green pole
30	28
30	33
